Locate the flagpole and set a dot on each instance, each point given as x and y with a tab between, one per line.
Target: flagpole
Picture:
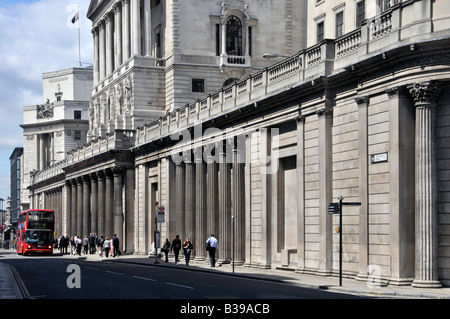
79	40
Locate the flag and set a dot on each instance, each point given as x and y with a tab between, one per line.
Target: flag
76	17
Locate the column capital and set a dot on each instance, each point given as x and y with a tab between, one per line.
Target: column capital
300	119
93	176
118	170
324	112
362	101
425	92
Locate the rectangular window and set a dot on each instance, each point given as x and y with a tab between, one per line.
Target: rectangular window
339	24
360	13
320	31
250	41
77	115
198	85
217	39
78	135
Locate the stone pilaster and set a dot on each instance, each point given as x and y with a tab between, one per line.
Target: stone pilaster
301	193
363	103
325	116
425	96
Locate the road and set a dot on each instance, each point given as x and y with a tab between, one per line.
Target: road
56	277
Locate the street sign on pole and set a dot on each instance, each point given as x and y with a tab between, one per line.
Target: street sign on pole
161	214
336	208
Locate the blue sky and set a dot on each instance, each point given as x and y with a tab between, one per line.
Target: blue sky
37	37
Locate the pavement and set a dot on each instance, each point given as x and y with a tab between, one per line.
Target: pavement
11	286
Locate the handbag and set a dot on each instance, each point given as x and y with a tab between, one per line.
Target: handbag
208	246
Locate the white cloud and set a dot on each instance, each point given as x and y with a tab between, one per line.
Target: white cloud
37	37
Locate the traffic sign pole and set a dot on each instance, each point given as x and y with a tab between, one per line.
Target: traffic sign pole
336	208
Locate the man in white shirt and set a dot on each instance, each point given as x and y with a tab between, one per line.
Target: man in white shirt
213	247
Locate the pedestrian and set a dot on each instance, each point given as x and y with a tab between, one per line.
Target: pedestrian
111	247
166	248
78	243
116	246
176	247
85	244
187	250
101	241
91	239
66	241
107	246
212	246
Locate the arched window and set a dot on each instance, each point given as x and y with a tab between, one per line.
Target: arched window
234	36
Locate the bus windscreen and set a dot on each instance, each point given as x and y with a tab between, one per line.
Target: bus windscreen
38	237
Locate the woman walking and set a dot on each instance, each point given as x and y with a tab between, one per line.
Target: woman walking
187	249
107	246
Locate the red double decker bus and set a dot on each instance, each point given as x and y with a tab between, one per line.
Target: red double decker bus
35	232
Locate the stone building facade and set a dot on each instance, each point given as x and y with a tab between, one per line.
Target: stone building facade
361	114
54	128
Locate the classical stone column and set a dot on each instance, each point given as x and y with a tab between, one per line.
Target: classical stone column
425	97
95	34
102	50
118	35
126	29
101	204
68	187
109	202
79	206
200	205
224	187
73	216
86	205
109	43
148	27
94	202
238	209
180	200
129	211
136	27
118	203
190	202
212	192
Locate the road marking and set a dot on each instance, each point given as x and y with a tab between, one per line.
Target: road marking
91	268
177	285
113	272
143	278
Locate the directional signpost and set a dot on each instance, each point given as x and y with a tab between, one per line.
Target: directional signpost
160	218
336	208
